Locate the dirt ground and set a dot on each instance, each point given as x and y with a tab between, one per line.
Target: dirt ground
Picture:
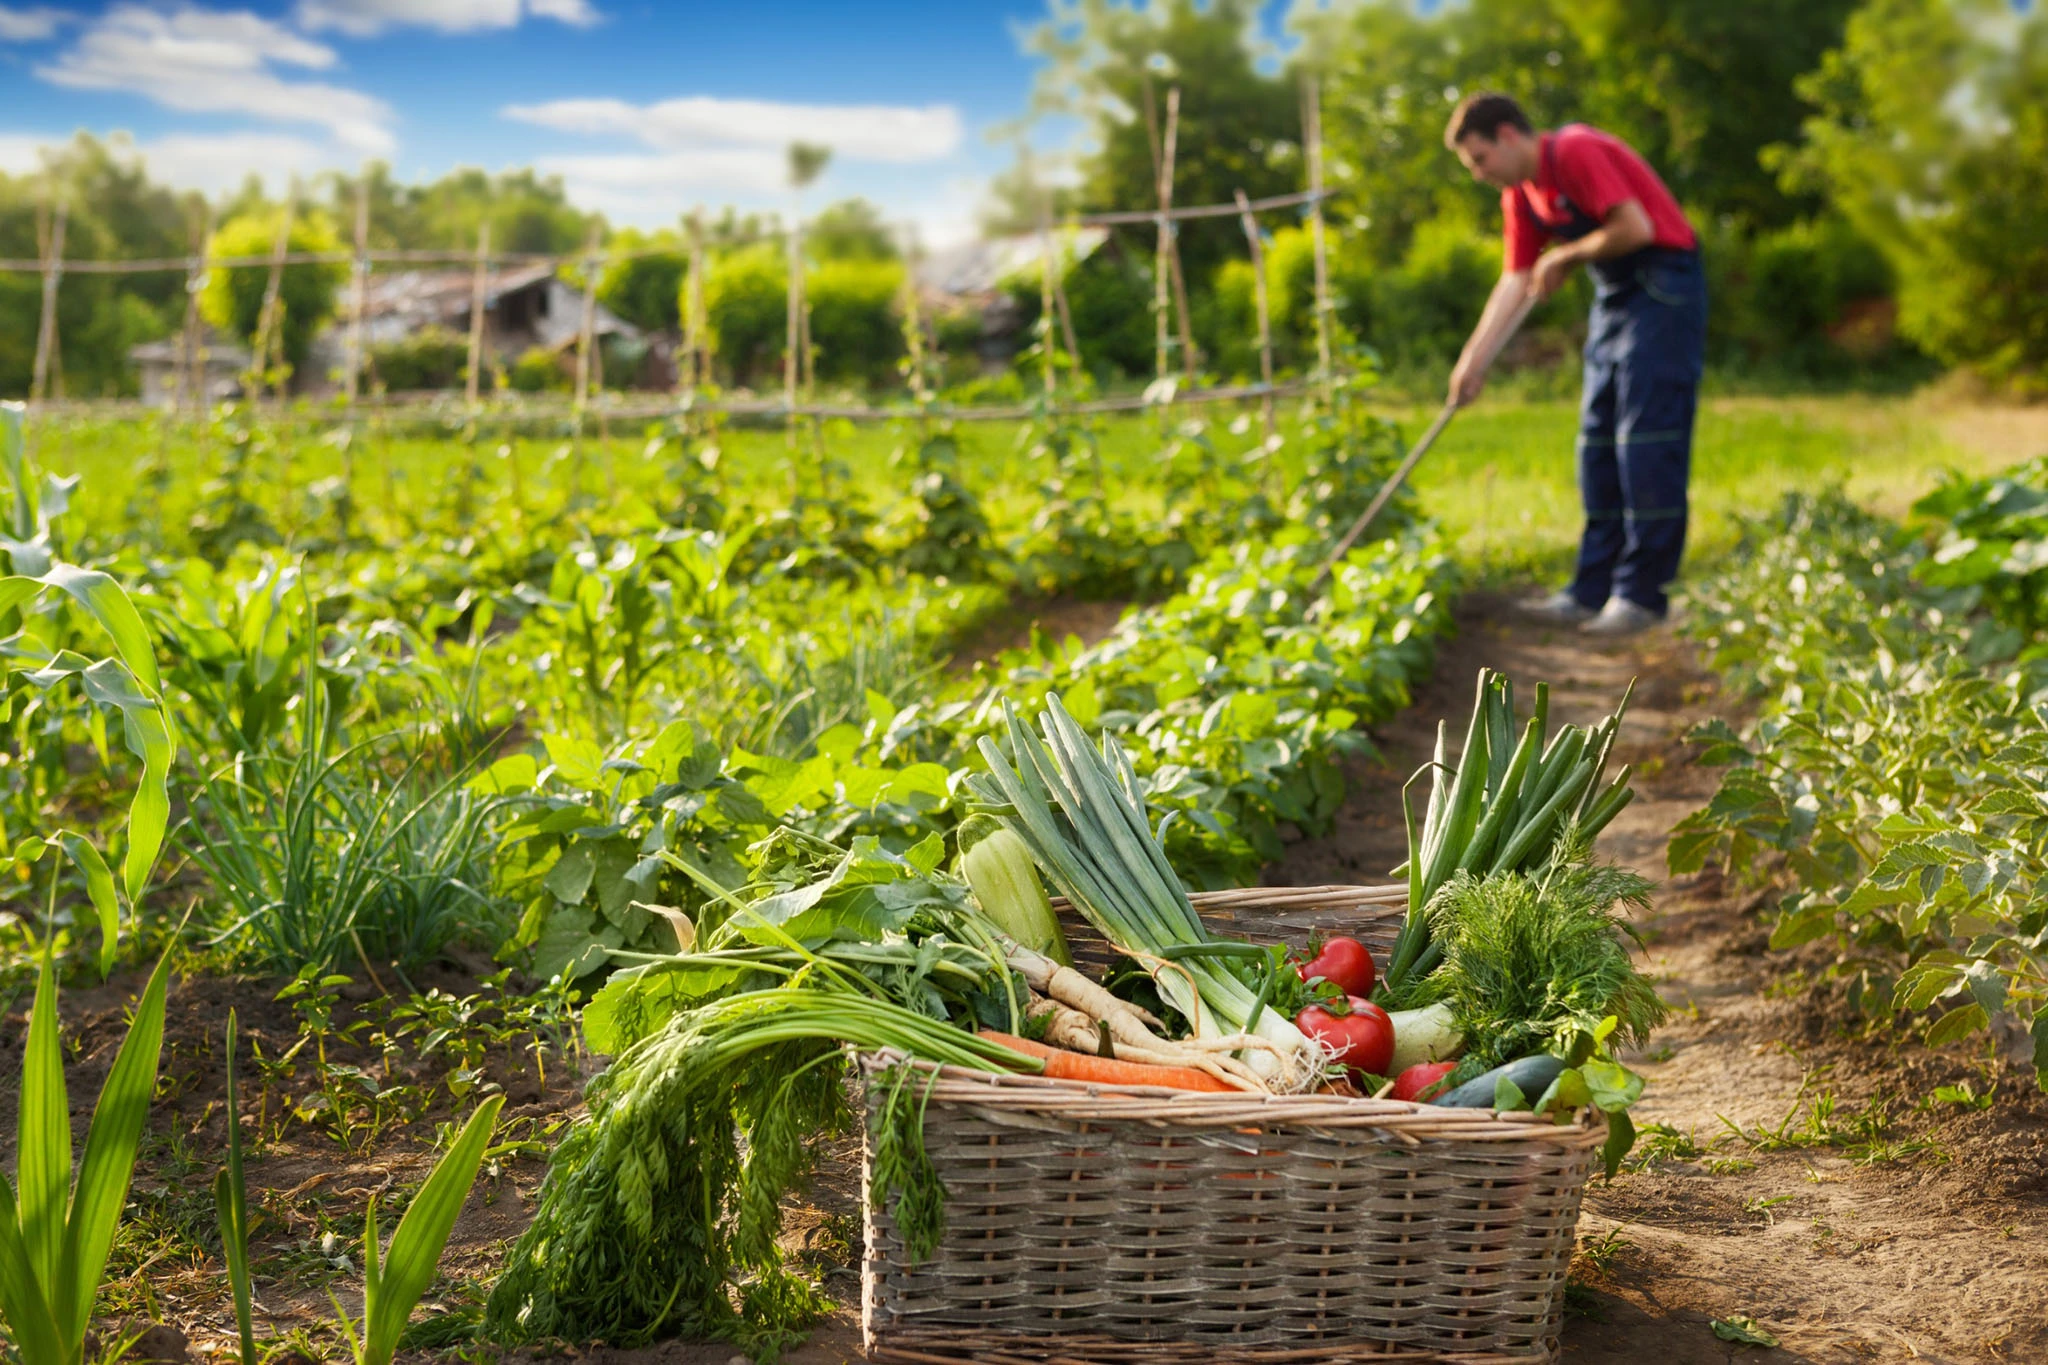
1923	1244
1915	1235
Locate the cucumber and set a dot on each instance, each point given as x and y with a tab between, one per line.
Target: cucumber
1531	1075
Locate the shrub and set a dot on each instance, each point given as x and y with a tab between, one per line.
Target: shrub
746	301
854	326
233	300
537	371
431	358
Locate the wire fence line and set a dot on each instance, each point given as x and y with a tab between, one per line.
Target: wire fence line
195	387
26	265
654	407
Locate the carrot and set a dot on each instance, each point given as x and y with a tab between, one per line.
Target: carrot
1062	1065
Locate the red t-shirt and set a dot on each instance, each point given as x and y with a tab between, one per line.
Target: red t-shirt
1595	171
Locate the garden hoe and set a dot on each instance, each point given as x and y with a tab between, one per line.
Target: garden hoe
1414	457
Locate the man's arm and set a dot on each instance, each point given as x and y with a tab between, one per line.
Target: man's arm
1626	228
1499	316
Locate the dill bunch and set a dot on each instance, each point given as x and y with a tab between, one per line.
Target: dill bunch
1535	963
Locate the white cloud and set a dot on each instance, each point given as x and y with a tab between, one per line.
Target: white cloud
220	62
860	132
367	18
580	13
22	153
31	25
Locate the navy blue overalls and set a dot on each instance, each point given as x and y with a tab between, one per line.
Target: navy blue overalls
1644	351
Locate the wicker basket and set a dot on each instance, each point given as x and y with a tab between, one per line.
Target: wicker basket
1100	1224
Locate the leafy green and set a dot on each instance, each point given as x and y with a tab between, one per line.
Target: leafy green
1537	964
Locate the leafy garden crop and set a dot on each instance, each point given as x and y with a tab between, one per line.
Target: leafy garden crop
1898	769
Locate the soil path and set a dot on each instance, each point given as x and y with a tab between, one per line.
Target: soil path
1917	1236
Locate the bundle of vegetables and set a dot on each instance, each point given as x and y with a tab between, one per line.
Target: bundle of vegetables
661	1207
1079	809
1512	968
1507	807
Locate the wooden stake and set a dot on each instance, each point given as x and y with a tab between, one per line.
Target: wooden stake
695	365
913	322
477	287
269	325
1059	298
586	331
792	325
1047	310
43	379
1312	137
359	289
194	379
1258	248
1162	187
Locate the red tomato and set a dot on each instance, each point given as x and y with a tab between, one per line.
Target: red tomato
1410	1084
1344	963
1363	1039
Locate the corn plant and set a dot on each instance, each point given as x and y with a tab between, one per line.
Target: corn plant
56	1230
394	1282
32	603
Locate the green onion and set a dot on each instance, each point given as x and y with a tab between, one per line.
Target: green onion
1080	811
1501	809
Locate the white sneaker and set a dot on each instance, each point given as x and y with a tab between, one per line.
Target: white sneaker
1559	608
1621	617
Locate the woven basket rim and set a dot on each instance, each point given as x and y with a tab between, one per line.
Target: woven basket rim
1405	1120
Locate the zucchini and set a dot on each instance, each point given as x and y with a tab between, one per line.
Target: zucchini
1531	1075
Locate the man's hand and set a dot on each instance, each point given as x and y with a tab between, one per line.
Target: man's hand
1549	273
1467	380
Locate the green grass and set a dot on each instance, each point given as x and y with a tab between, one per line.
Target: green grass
1503	478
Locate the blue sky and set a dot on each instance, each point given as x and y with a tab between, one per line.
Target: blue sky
645	109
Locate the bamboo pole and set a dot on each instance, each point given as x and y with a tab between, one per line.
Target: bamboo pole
792	326
1312	138
913	321
1059	298
1162	190
45	377
1188	355
586	330
269	325
1258	249
193	381
478	287
690	373
1047	310
359	290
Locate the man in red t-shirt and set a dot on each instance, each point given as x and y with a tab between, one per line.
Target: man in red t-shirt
1578	196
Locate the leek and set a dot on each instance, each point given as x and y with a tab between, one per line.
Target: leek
1078	808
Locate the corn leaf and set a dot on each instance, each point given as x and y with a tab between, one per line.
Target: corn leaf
22	1302
415	1252
108	1165
99	886
43	1136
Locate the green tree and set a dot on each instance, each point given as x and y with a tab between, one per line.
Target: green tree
1239	127
746	301
1390	77
643	280
850	230
1702	87
1932	137
233	300
854	324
